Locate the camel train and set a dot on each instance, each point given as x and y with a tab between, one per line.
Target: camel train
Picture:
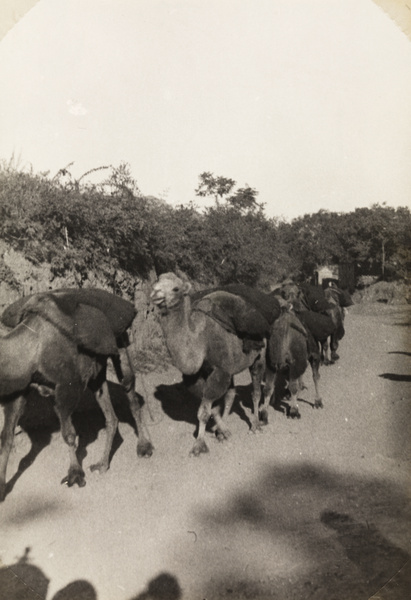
58	343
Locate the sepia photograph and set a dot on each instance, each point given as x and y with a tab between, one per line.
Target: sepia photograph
205	299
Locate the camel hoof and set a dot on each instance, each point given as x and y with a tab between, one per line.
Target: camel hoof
334	357
318	403
223	436
294	413
200	447
145	449
256	428
264	417
101	467
76	475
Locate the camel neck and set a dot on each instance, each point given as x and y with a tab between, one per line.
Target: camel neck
179	315
182	337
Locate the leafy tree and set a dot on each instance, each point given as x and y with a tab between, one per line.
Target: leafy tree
209	185
245	200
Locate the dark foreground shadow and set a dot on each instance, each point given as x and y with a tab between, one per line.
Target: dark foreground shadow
25	581
162	587
377	558
323	524
39	421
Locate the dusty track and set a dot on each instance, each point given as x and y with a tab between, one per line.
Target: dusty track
310	509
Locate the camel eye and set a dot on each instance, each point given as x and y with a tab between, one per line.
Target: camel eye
176	289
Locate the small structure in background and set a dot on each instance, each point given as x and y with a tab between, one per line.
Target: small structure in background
342	274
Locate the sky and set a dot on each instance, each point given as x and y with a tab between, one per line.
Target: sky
307	101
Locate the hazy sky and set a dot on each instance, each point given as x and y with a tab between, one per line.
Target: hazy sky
308	101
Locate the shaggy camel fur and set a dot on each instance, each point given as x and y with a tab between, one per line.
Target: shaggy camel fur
197	341
61	354
290	348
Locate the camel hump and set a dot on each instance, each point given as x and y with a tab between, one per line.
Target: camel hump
321	326
234	313
288	343
315	297
84	325
119	312
92	331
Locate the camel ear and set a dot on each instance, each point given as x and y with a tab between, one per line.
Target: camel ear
186	282
187	287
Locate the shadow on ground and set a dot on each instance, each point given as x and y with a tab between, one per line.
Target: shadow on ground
323	526
39	421
25	581
180	401
395	377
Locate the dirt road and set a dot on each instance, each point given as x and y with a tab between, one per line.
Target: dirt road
315	508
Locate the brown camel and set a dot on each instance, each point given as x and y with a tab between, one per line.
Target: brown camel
47	351
197	340
290	348
320	317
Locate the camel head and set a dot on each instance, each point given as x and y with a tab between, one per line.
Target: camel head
292	294
169	290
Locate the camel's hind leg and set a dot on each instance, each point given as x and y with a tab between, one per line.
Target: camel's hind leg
12	412
294	388
104	401
315	367
126	376
223	433
66	399
257	373
267	394
215	387
325	353
334	347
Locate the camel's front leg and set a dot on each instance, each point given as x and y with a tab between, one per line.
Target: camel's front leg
66	400
12	412
215	387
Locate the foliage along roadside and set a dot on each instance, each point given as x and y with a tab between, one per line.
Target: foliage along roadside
79	228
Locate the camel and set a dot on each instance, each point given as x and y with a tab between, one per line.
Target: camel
59	347
337	299
316	313
290	348
197	341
